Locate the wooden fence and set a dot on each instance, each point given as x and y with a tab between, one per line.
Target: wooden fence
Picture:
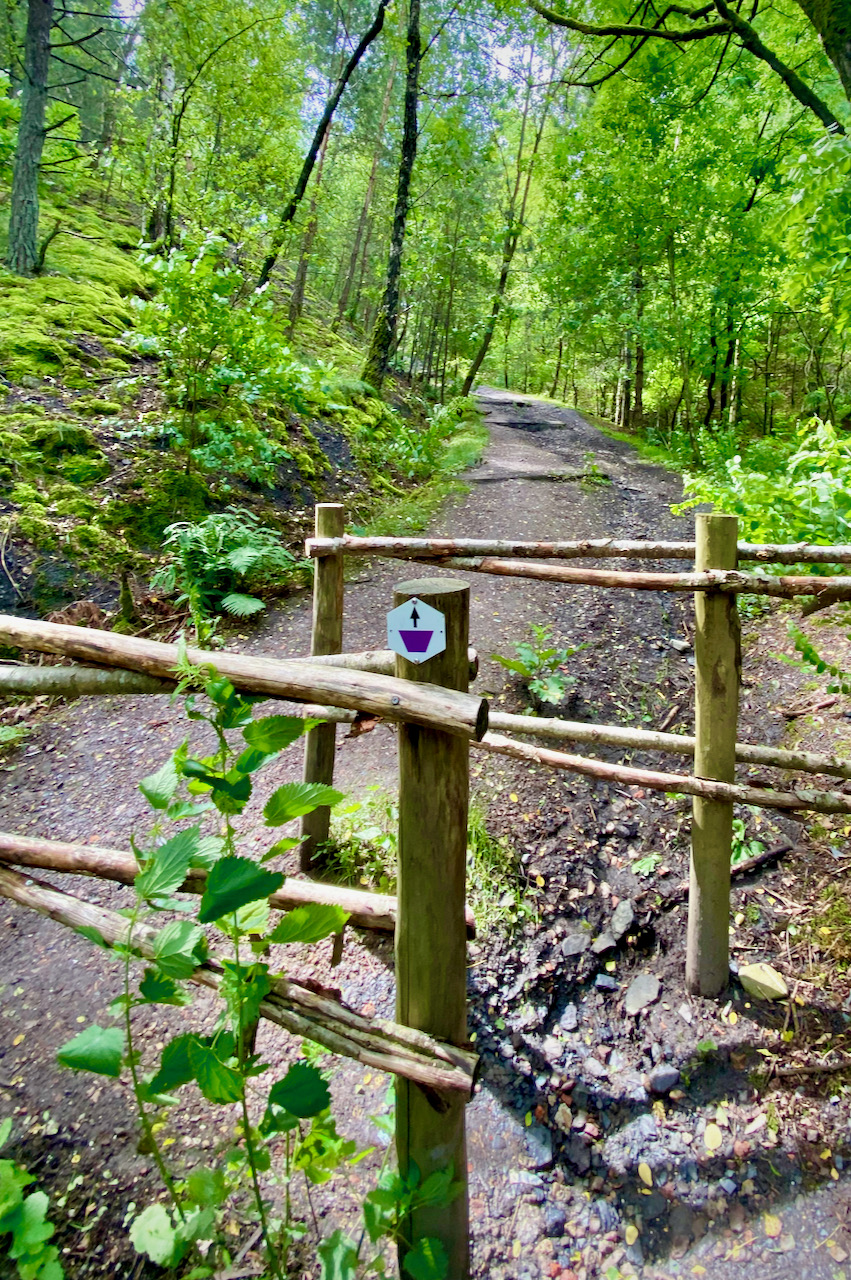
439	720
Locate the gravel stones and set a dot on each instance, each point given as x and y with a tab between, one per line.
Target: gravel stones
622	919
663	1078
575	944
539	1145
643	991
569	1020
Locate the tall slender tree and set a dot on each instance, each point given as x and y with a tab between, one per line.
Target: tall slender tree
22	254
384	330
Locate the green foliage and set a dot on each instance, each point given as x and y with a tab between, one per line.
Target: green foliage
804	497
24	1218
97	1049
497	889
207	562
225	364
540	665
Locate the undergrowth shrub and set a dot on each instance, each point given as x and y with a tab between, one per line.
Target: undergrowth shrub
217	563
801	494
224	361
293	1142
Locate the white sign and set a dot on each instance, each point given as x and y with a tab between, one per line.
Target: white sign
416	631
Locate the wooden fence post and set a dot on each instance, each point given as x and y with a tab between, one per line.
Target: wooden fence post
717	673
431	945
326	637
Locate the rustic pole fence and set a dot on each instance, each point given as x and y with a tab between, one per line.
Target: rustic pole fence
431	950
326	638
718	659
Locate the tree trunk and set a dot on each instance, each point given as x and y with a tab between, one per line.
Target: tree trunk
297	296
367	202
832	20
385	322
289	211
22	254
558	369
155	227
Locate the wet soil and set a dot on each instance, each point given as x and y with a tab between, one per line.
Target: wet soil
589	1151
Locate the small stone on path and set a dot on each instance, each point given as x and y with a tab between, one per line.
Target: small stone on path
642	992
622	919
574	944
663	1078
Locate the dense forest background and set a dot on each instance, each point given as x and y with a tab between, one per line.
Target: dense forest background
643	211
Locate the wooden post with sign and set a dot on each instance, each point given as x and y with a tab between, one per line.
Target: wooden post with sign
431	941
717	652
326	637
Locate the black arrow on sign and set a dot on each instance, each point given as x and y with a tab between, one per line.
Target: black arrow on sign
415	617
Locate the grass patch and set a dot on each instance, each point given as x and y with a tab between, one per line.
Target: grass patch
411	512
363	852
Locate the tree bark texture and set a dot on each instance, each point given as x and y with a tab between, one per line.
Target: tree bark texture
22	253
384	330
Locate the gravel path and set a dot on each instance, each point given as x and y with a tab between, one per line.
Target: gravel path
577	1167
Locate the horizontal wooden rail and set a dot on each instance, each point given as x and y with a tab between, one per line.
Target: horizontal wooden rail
673	743
593	548
375	1042
837	588
436	548
301	681
682	784
25	680
366	910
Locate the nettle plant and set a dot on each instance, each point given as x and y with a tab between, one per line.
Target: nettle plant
541	664
224	1066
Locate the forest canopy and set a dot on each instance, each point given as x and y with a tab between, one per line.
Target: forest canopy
642	209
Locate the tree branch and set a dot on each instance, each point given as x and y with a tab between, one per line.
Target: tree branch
630	30
313	151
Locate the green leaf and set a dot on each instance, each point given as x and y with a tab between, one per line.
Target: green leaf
210	849
217	1082
31	1227
428	1260
167	866
339	1257
206	1186
159	788
154	1234
310	923
97	1049
93	935
242	606
5	1130
175	1067
273	733
157	989
294	799
232	883
303	1091
179	948
244	987
281	846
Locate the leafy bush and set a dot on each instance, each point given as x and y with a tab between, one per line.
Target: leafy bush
804	497
296	1137
25	1218
214	563
224	360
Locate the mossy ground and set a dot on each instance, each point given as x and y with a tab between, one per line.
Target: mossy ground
88	478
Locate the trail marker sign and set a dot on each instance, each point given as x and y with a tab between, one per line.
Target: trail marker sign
416	631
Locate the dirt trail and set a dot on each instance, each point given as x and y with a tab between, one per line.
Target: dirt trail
564	1119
